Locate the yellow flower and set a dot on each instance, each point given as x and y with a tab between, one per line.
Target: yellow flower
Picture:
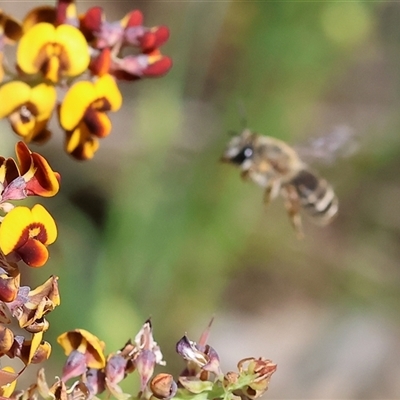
83	114
40	179
27	233
84	350
56	52
28	108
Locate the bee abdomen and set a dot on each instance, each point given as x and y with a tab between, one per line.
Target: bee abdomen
316	196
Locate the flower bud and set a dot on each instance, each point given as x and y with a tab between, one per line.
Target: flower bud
163	386
145	363
6	339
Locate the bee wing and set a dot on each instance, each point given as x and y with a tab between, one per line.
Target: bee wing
341	142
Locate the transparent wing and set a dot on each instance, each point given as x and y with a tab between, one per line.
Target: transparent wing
341	142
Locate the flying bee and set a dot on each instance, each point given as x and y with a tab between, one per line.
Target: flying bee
277	167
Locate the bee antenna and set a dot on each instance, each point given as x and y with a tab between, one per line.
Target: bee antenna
242	114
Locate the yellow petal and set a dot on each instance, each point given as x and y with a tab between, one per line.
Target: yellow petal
44	97
75	102
16	93
88	149
76	48
12	226
107	88
85	342
30	45
40	214
24	129
16	222
35	343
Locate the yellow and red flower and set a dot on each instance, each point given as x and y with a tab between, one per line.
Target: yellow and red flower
110	38
56	52
40	179
84	350
35	350
32	177
10	29
83	114
27	233
63	13
147	65
28	108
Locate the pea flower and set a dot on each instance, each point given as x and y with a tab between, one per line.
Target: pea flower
133	67
31	176
147	354
36	172
26	233
83	114
64	12
28	109
260	370
55	51
141	355
30	351
201	359
109	38
31	306
84	350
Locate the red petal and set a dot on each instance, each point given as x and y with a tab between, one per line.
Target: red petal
91	22
45	181
134	18
24	157
95	121
11	170
153	39
158	68
33	253
101	65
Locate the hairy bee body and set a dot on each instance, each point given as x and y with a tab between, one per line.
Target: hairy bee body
275	166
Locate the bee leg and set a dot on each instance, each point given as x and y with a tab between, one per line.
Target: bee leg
267	195
292	205
271	191
245	175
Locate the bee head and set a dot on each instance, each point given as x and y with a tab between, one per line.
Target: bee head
239	149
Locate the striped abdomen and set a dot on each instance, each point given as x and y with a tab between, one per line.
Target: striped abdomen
316	196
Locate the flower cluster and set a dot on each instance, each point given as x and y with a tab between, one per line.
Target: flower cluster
58	50
71	63
24	236
201	379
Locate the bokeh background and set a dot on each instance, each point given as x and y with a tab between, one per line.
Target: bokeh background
156	226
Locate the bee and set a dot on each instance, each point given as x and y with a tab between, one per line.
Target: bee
277	167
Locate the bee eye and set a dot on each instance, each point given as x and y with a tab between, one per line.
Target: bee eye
248	152
244	154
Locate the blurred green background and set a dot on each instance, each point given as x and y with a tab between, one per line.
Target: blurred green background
156	226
